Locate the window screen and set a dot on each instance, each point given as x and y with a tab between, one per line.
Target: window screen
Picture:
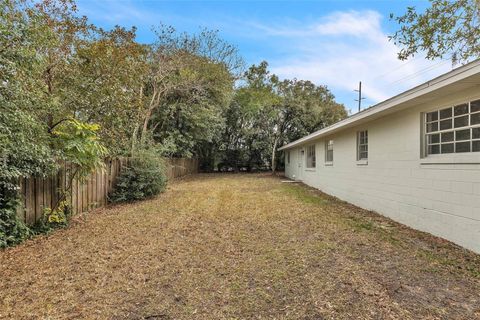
329	151
362	145
311	161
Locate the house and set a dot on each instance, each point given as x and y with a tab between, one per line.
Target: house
414	158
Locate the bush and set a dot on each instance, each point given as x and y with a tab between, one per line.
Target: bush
53	218
142	178
12	230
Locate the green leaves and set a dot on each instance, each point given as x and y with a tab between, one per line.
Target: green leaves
79	144
142	178
12	229
447	29
190	86
267	112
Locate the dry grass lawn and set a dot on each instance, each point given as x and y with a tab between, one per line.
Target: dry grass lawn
238	247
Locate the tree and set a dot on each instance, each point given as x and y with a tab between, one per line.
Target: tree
244	140
29	105
190	80
104	85
267	112
24	144
304	108
60	32
448	29
24	147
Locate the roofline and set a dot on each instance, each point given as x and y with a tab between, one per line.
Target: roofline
452	76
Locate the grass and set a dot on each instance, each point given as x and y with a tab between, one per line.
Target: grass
238	247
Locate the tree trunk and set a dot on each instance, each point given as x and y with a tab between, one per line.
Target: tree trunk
145	126
151	106
274	150
134	138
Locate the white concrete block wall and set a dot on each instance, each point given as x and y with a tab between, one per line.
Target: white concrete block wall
440	198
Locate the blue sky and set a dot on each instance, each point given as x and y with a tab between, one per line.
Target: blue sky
334	43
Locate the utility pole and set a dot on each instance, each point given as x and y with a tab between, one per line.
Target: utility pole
359	96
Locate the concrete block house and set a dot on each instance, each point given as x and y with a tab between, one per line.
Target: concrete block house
414	158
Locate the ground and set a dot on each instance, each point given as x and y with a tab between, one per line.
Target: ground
238	246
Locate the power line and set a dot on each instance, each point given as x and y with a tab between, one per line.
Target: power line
419	72
397	68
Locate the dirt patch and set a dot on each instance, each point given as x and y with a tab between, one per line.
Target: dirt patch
238	247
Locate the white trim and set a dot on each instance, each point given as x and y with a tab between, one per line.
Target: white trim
448	78
362	162
452	158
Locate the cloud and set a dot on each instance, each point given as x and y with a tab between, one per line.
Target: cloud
338	49
335	24
343	48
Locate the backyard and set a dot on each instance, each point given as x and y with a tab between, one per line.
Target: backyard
238	246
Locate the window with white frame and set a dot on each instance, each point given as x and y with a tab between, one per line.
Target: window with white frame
362	145
329	151
288	157
311	159
453	130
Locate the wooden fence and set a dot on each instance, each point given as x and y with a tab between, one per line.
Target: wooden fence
179	167
39	193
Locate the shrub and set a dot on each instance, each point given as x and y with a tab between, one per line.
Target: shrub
12	229
53	218
142	178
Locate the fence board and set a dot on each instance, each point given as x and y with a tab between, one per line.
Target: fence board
38	197
30	200
21	209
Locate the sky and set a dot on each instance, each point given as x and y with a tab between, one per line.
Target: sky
333	43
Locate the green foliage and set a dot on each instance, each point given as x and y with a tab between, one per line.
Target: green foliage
100	93
68	89
446	28
191	84
53	218
80	145
24	143
12	229
142	178
266	113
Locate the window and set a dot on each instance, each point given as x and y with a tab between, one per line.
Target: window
288	157
329	151
362	145
453	130
311	161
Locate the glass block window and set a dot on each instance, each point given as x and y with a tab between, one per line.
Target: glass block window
453	130
329	151
311	160
362	145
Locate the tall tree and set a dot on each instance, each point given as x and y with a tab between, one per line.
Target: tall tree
304	108
244	139
62	30
24	142
447	29
191	76
105	84
267	112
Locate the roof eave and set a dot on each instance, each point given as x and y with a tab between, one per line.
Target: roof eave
448	78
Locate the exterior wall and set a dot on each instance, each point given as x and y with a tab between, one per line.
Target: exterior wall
439	195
